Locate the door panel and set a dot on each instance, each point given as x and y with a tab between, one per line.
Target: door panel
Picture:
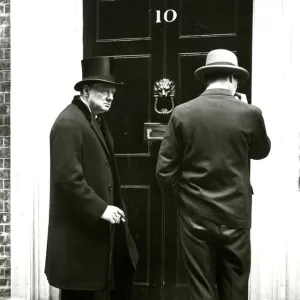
134	25
145	52
186	69
207	17
132	97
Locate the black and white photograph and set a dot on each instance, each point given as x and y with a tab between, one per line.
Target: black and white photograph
149	150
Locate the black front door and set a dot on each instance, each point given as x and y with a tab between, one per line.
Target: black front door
147	48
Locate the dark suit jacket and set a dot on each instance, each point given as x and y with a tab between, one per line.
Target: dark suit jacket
204	157
84	180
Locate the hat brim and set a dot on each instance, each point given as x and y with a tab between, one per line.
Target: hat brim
241	73
79	84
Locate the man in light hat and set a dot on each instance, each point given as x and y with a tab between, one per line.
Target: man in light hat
90	252
203	164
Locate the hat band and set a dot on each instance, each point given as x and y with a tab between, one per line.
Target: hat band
99	77
221	63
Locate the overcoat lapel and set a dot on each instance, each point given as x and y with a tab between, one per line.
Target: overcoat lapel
107	136
77	101
110	144
101	137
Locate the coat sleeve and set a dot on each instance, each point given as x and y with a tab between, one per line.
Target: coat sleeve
169	158
260	144
67	174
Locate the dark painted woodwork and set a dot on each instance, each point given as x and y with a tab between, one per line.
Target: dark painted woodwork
144	53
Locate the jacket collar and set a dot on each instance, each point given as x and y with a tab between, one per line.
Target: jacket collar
82	106
104	134
223	92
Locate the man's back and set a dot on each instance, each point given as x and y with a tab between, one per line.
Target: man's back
216	135
203	164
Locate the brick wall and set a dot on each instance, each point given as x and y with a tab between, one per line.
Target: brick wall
4	148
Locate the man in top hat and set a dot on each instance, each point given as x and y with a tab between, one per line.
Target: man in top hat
90	251
203	164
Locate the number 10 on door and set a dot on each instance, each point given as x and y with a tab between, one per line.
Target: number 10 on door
169	16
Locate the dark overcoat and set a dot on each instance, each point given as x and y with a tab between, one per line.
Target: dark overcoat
84	180
203	161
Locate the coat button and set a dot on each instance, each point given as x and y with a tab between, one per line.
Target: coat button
110	187
106	162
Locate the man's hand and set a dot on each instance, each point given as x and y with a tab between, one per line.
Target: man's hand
241	97
113	214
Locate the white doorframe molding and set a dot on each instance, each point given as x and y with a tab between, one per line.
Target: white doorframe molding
46	53
275	272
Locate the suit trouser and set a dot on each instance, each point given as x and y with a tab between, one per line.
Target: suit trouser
123	276
217	259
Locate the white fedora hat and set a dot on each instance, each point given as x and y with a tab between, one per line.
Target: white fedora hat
221	60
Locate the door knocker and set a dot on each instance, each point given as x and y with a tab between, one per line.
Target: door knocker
164	94
164	91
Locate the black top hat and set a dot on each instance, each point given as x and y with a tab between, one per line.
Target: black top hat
96	69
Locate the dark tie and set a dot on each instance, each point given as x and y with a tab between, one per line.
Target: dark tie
98	120
100	124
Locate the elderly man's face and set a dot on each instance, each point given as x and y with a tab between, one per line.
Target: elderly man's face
100	97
